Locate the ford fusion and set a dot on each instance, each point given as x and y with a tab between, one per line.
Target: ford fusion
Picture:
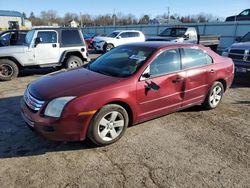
126	86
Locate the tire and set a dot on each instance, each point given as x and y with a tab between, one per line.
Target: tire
114	120
214	96
8	70
73	62
108	47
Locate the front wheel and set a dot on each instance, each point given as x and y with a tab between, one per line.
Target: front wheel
8	70
73	62
108	125
109	47
214	96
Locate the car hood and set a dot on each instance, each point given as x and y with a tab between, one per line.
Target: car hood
97	39
161	38
241	45
12	50
231	18
75	82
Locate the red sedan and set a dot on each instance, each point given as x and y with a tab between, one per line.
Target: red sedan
128	85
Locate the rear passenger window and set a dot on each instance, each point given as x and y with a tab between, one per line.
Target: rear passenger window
71	37
47	36
166	62
192	57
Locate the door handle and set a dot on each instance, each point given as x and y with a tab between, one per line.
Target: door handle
212	71
53	45
177	80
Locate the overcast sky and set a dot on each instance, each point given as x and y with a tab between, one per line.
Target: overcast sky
219	8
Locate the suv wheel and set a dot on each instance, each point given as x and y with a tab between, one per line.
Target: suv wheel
73	62
8	70
214	96
108	125
108	47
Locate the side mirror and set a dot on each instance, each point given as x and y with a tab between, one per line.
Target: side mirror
38	40
152	86
237	39
186	37
119	37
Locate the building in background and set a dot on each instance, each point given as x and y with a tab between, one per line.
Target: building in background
162	21
13	20
74	23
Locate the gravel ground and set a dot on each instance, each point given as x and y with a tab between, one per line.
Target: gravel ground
191	148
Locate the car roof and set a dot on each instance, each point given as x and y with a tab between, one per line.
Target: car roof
55	28
126	31
160	45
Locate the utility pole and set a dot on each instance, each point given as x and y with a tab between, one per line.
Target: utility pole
81	18
168	14
114	18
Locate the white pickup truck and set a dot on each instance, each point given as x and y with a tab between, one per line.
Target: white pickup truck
44	47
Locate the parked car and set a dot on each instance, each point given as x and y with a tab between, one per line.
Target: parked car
186	35
240	53
44	47
243	16
89	39
130	84
117	38
12	37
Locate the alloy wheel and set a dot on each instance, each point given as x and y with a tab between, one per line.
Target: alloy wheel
111	126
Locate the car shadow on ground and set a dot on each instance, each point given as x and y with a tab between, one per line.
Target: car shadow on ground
17	140
38	71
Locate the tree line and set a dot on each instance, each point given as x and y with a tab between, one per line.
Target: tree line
51	17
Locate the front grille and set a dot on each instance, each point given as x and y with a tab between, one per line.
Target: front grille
238	57
236	51
32	102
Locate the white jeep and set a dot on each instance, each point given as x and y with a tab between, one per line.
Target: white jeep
117	38
44	47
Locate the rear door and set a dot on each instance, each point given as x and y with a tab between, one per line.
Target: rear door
165	73
198	67
47	51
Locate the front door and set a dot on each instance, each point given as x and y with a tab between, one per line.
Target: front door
47	51
162	92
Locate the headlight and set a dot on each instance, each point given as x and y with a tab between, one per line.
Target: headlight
55	107
226	52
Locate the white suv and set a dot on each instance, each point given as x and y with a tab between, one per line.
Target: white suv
44	47
117	38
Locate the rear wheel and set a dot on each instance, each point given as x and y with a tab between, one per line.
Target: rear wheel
73	62
214	96
108	125
8	70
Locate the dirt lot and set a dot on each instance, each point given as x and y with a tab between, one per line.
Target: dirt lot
191	148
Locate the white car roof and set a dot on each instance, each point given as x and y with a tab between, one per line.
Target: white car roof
126	31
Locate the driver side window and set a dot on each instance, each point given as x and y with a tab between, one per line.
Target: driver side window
166	62
124	35
47	36
245	13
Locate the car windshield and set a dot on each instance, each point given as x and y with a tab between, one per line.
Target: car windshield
122	61
29	37
246	38
174	32
113	34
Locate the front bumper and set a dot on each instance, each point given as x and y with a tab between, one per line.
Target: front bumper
70	128
98	46
242	66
